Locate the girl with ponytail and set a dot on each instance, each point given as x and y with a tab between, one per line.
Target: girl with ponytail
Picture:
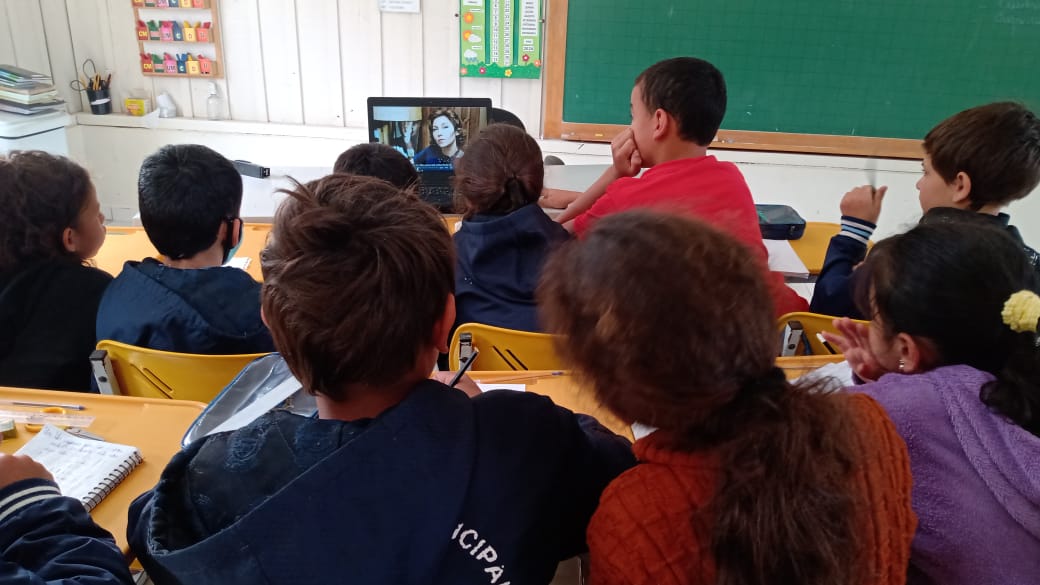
505	236
748	479
954	351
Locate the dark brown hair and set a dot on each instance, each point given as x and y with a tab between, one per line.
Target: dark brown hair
997	145
691	90
41	195
379	161
671	323
453	116
947	281
501	172
356	275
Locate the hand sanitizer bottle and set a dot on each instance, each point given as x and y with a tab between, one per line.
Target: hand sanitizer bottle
214	104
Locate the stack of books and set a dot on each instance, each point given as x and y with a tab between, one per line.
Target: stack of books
27	92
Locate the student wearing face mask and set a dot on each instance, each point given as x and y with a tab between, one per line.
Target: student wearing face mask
446	139
189	196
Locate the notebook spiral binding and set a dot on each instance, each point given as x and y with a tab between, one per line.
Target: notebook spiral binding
111	481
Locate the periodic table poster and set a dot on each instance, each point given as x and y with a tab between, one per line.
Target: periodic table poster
501	38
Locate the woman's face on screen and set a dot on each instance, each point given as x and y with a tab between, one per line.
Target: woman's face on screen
443	131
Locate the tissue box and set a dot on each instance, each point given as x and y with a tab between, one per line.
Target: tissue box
137	106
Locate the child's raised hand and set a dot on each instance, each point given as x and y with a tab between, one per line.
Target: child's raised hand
864	203
627	160
853	340
14	468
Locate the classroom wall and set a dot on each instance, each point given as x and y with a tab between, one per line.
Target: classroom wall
299	71
308	62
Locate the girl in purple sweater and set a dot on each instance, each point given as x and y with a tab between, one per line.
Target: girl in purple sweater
952	354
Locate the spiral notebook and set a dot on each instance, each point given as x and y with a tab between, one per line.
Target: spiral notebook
84	469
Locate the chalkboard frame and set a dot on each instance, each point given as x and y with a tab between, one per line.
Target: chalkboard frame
554	126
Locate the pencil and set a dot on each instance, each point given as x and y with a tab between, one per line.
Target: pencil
825	344
465	366
524	378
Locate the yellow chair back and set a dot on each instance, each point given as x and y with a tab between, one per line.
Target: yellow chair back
505	349
151	373
812	323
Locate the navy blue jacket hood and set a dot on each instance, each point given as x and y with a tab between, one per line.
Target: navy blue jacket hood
207	310
499	261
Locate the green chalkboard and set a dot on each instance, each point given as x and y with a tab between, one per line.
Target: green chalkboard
888	68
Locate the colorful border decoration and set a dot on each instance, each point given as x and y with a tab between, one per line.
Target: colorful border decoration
500	38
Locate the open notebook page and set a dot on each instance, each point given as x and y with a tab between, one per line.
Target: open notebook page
84	469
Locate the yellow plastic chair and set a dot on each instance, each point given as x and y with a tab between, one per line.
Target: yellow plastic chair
151	373
505	349
812	323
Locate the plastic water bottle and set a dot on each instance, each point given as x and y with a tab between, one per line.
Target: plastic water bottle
214	104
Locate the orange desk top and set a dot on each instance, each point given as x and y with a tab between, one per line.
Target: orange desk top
132	243
812	246
565	391
153	426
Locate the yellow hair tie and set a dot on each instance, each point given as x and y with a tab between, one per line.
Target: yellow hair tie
1022	311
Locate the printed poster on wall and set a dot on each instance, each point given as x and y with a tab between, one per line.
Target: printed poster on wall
501	38
399	5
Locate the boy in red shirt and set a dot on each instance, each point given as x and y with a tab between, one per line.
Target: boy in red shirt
677	107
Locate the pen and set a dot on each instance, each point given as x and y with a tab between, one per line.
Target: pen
825	344
43	404
465	366
871	170
524	378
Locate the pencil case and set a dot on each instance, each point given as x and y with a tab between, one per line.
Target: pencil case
779	222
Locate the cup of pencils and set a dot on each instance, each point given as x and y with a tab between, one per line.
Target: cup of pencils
97	93
99	98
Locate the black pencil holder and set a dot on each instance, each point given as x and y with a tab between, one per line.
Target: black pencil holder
100	101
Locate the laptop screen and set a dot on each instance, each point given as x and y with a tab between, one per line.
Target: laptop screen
432	133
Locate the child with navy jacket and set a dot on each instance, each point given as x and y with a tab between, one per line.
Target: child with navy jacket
190	197
400	479
505	236
978	161
47	538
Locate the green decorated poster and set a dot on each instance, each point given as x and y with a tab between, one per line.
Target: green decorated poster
501	38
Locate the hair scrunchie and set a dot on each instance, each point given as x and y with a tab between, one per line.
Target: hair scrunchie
1022	311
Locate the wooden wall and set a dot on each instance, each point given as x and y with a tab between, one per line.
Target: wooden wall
310	62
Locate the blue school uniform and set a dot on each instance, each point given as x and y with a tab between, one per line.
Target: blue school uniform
833	293
48	538
439	489
212	311
498	262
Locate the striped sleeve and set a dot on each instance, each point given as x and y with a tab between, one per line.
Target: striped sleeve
857	229
25	493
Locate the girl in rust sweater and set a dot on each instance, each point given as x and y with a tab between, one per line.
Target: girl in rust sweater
748	479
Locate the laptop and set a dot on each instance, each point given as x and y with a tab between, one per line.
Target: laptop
432	133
